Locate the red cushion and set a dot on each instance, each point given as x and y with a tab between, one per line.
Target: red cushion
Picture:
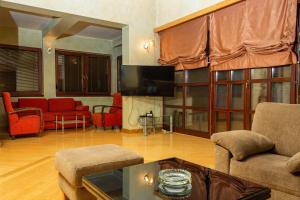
78	103
7	102
49	116
82	108
61	104
108	119
117	101
26	125
41	103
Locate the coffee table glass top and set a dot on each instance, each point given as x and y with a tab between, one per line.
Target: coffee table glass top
140	182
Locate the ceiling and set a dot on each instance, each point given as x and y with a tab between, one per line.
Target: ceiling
94	31
30	21
12	18
100	32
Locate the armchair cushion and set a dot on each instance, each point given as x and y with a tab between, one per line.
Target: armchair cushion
268	170
242	143
26	125
293	164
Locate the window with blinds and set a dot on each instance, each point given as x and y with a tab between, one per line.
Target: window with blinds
82	74
69	73
20	71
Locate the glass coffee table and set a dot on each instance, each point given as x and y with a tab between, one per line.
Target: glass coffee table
139	182
62	120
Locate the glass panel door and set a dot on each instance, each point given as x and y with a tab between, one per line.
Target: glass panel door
259	94
281	92
237	121
177	115
190	105
196	120
237	96
221	122
177	100
221	96
197	96
270	85
229	105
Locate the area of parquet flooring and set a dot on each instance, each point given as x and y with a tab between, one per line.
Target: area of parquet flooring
26	164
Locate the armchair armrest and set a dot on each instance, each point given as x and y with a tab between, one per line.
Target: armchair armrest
20	110
103	107
222	159
26	109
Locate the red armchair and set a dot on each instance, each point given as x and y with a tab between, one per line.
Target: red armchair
22	121
111	118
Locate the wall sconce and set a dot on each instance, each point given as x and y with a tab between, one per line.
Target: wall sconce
49	50
148	179
148	44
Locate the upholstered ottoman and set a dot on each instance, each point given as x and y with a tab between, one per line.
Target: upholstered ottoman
73	164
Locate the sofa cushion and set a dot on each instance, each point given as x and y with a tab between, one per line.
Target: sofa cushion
242	143
61	104
48	117
293	164
75	163
268	170
280	123
82	108
41	103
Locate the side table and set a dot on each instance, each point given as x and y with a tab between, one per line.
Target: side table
152	122
62	122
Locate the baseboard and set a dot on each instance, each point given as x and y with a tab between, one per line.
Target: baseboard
140	130
132	130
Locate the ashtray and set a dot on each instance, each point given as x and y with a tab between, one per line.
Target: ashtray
175	182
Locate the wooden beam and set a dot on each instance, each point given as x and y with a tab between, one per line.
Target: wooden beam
199	13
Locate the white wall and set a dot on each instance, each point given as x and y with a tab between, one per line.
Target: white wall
139	15
170	10
21	37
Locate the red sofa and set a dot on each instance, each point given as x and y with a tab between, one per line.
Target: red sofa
51	108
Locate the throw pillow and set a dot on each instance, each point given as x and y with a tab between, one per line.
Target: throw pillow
293	164
242	143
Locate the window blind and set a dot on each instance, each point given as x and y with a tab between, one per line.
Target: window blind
19	70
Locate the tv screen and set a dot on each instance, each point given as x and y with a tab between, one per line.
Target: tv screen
136	80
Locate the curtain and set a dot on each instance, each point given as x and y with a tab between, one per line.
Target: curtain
184	45
252	34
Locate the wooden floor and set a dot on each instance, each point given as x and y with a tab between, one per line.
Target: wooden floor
26	164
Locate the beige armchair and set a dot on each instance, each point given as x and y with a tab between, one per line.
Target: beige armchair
281	124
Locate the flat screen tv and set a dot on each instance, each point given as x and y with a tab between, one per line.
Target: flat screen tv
137	80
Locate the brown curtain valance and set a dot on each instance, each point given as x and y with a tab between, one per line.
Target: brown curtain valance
253	33
184	45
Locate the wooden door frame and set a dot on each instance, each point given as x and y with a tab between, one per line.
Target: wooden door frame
247	93
184	87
